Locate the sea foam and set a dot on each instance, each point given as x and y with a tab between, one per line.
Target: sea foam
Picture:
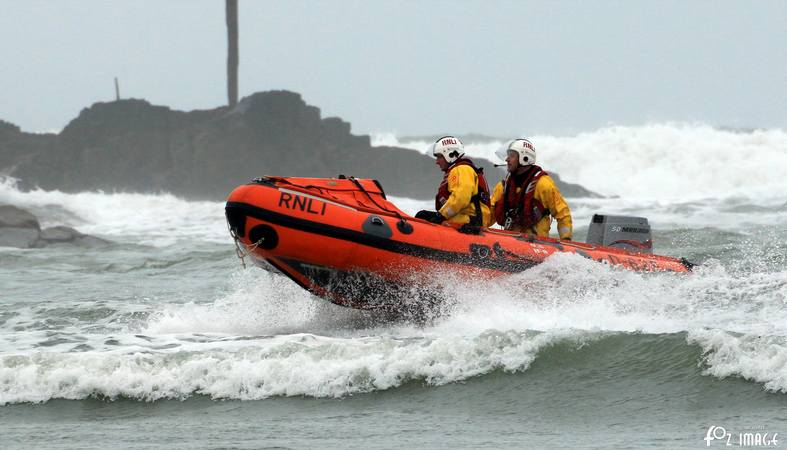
148	219
671	162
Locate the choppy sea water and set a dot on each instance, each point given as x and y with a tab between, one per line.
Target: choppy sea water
161	339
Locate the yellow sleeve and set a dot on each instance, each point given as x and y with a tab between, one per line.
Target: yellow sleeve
549	196
488	215
461	183
497	196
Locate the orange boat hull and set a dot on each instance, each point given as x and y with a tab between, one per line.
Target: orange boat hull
342	240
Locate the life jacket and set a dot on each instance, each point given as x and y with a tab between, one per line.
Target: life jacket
481	196
520	210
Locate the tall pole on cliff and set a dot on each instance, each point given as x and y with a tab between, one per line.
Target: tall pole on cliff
232	52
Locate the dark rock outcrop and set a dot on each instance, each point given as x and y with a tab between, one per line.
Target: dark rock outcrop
131	145
21	229
18	148
18	228
13	217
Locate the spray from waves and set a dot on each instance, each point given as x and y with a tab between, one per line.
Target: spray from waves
568	291
215	350
676	175
148	219
699	161
659	161
258	304
738	319
266	337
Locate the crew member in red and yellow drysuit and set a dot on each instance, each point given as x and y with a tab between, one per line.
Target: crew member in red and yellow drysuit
463	189
527	199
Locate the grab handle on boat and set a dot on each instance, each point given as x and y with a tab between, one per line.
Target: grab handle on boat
402	225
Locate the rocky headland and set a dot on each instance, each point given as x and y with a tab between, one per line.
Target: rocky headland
133	146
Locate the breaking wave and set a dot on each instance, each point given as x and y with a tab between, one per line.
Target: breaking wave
668	162
267	337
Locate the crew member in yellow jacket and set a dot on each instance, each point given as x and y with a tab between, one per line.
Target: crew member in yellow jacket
527	199
463	190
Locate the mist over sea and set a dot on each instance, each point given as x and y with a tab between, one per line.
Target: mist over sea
162	339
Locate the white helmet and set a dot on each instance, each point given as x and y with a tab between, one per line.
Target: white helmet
450	147
524	148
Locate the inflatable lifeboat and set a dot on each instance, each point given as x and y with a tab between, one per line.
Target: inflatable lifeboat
342	240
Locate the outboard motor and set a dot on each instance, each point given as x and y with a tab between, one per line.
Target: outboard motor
623	232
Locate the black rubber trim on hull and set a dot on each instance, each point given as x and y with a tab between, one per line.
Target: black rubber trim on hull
286	268
359	289
287	273
346	288
403	248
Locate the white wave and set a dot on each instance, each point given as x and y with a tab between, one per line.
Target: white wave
260	303
267	337
473	149
148	219
235	348
671	162
754	357
739	319
301	364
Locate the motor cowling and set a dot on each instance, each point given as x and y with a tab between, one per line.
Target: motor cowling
623	232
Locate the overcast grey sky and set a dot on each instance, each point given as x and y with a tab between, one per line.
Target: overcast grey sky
413	67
